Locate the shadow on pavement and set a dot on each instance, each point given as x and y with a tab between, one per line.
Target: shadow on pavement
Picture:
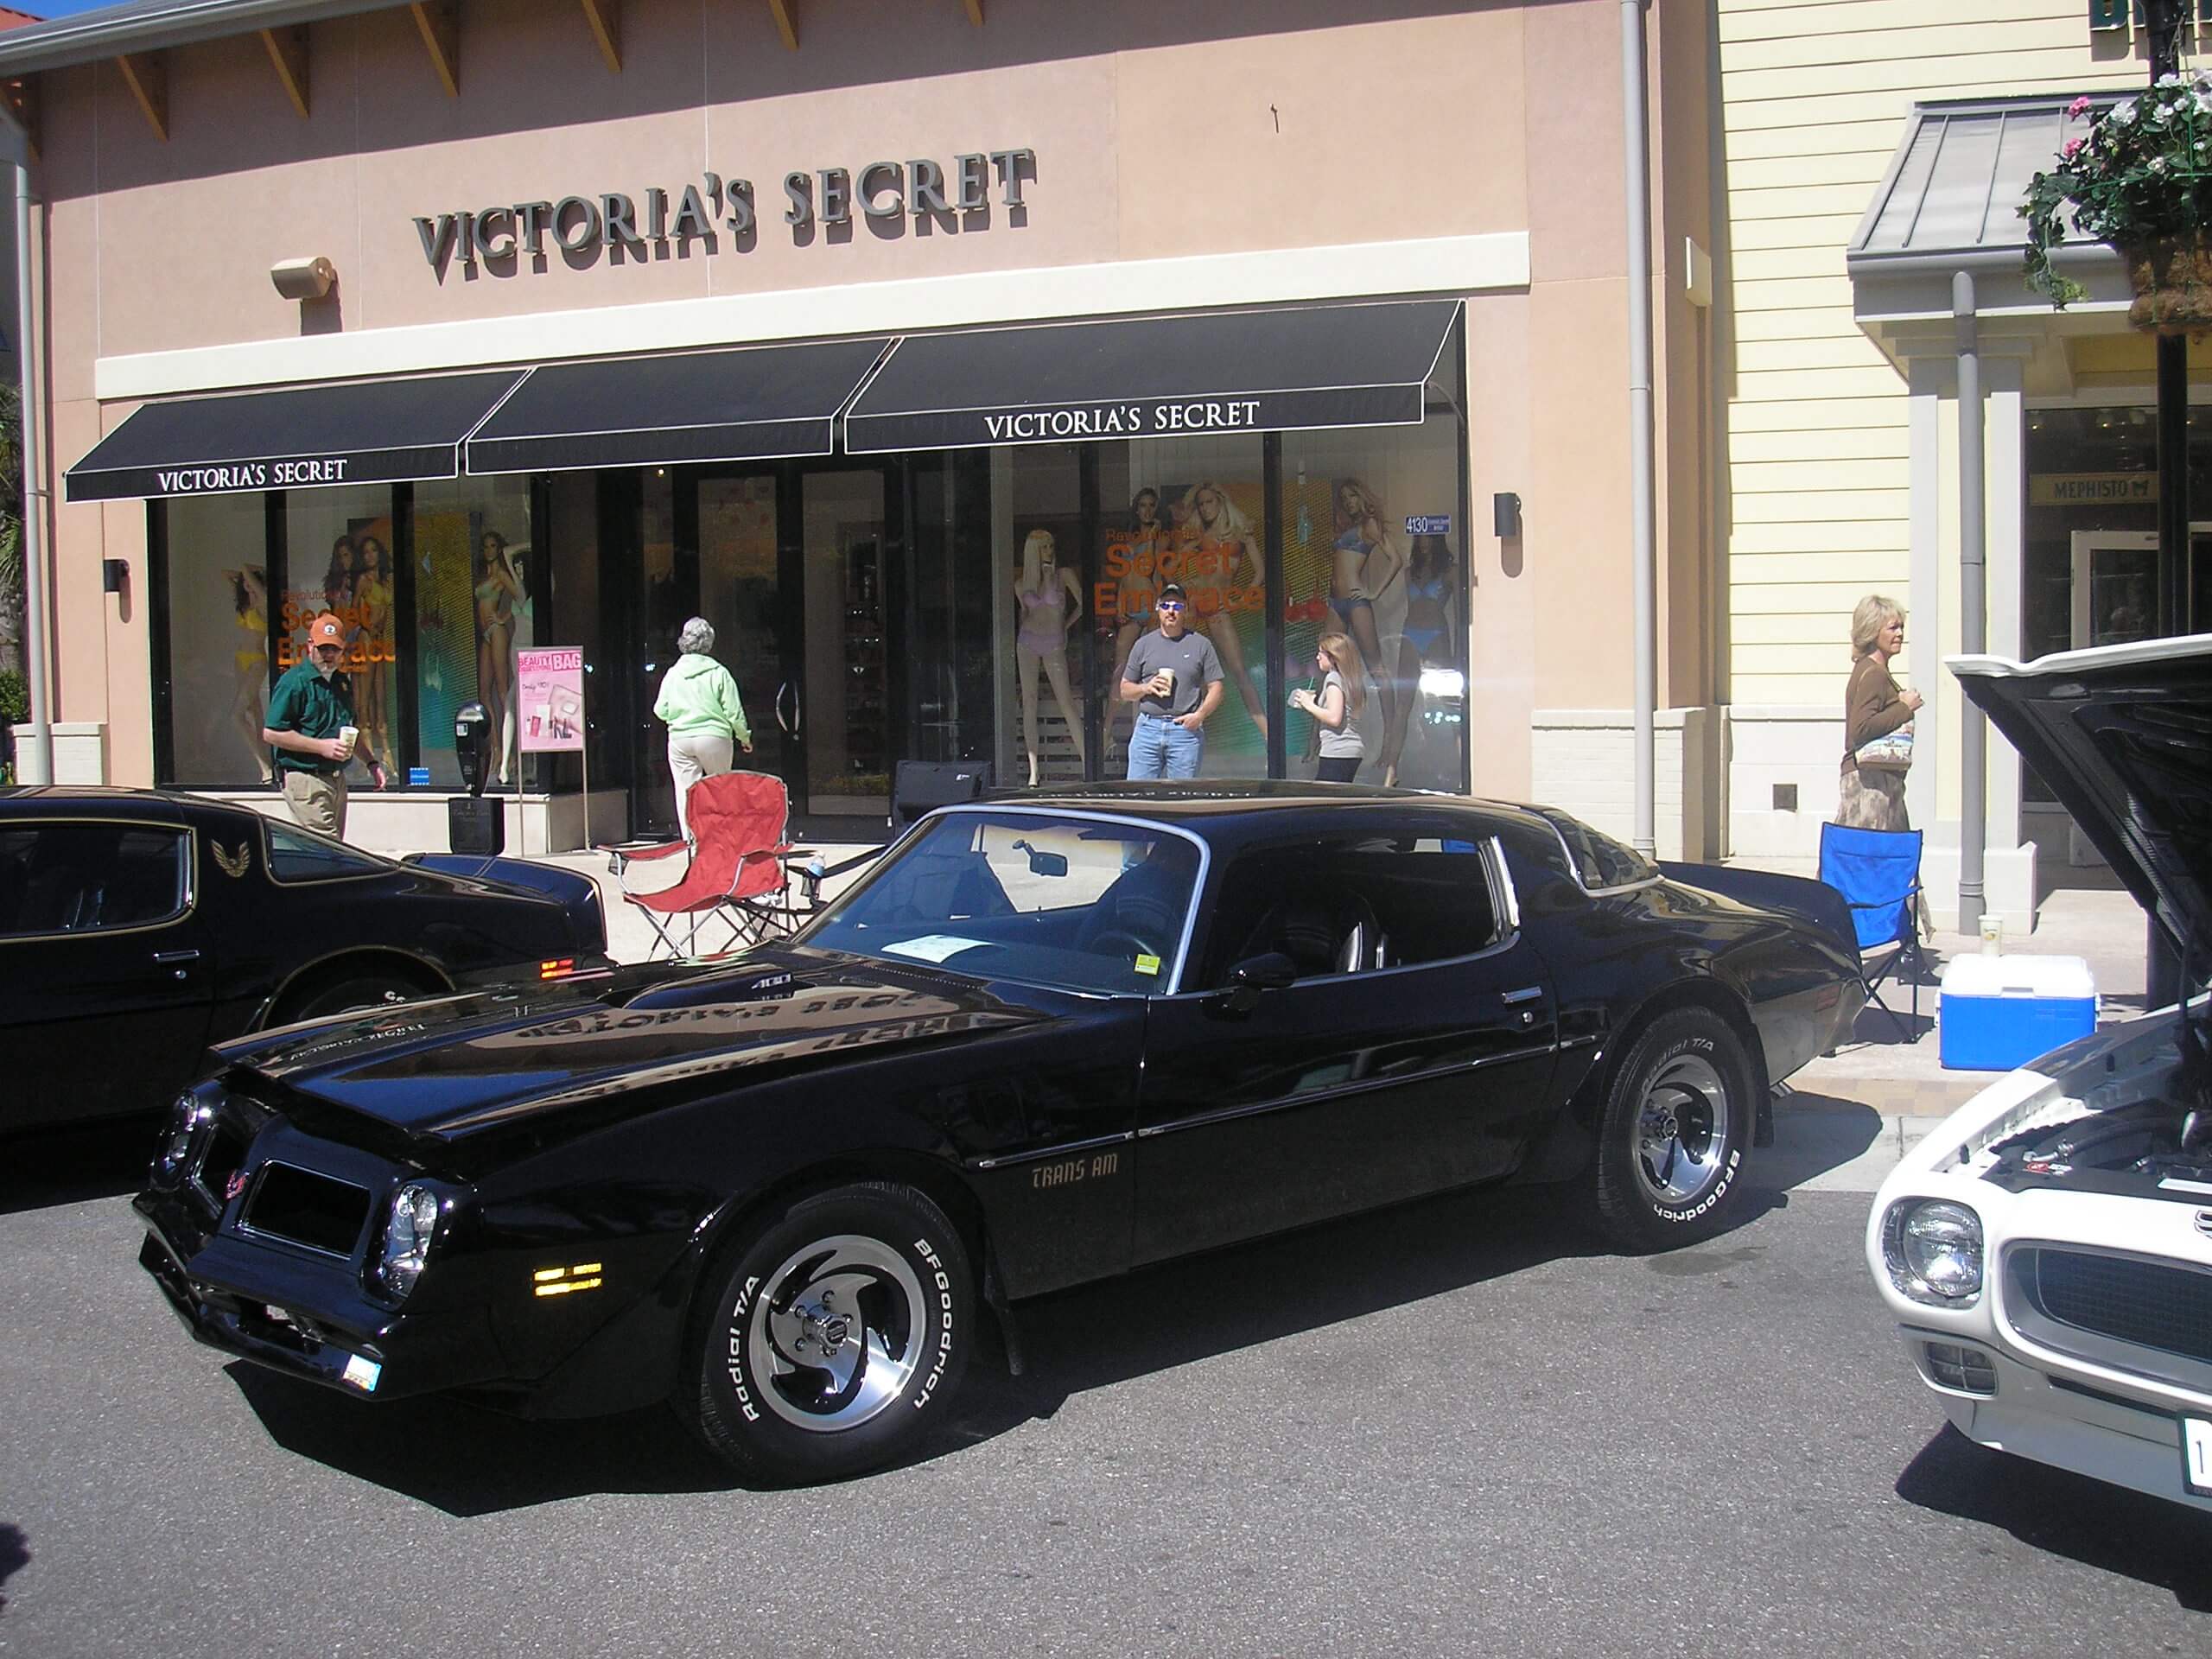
2108	1527
57	1167
15	1555
470	1462
1813	1135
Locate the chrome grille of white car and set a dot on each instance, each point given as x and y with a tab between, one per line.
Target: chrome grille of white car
2148	1305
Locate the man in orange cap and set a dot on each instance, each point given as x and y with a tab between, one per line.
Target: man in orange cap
310	725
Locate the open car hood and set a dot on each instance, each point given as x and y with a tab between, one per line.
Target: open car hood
2123	736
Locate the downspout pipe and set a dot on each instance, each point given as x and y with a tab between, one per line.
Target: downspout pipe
1636	163
1973	605
35	752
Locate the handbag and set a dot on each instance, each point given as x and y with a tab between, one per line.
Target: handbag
1892	751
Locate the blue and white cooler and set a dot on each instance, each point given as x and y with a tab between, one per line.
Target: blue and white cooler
1996	1012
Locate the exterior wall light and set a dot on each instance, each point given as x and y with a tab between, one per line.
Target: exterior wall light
303	279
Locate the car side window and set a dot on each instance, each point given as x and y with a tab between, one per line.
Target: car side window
1353	903
81	877
1600	862
295	855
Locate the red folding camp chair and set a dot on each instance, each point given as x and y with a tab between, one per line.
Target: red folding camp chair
738	873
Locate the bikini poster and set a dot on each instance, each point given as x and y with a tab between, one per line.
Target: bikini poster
1206	534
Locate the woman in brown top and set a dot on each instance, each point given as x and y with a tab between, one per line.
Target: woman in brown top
1873	797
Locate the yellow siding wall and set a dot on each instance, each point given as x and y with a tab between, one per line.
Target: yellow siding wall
1815	98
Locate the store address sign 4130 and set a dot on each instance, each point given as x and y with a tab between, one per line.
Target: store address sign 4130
582	227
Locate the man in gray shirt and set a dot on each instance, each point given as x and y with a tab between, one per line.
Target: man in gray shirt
1174	678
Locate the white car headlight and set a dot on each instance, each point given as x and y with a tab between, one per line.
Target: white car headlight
407	1236
1933	1251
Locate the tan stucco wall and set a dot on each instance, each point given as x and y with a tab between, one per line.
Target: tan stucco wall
1159	133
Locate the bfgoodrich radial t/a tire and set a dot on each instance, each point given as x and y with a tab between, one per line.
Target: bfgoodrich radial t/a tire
1677	1123
834	1336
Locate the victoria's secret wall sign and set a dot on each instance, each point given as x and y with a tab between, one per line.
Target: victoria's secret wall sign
579	226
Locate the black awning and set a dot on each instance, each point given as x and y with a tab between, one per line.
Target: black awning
369	432
1275	370
756	404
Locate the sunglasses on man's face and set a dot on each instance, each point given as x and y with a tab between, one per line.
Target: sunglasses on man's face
1171	604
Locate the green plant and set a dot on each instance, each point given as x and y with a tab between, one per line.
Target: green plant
2141	174
15	698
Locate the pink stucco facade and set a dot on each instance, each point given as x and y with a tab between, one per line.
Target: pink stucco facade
1191	134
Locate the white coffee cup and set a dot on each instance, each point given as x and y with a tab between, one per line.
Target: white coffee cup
349	735
1168	695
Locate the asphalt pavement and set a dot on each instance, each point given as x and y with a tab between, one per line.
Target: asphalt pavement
1454	1427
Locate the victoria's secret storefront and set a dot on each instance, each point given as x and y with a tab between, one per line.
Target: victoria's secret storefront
932	547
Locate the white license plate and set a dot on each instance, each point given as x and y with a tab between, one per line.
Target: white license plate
2196	1456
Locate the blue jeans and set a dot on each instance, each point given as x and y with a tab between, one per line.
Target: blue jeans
1160	748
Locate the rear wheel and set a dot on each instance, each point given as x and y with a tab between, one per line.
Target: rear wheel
1676	1125
834	1338
367	991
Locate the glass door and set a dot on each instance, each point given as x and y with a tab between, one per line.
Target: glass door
838	709
743	593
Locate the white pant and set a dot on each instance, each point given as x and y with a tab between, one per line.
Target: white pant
691	756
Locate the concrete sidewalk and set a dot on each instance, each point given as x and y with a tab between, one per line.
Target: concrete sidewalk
1853	1113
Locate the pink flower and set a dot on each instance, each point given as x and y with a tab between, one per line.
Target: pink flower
2078	108
2070	146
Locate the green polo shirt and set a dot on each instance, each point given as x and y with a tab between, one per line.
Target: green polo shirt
307	703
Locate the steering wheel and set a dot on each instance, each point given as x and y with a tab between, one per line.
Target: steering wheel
1102	944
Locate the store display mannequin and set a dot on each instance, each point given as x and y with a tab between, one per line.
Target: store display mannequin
499	591
1051	604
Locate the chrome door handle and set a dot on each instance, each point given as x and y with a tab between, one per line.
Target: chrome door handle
166	957
1526	994
780	721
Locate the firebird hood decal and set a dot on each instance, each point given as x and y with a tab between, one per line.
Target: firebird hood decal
452	1068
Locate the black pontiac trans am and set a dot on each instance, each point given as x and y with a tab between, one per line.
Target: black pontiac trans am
1041	1042
138	927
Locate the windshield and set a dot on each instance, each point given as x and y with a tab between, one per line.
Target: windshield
1084	904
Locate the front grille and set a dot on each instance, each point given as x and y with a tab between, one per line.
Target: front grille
224	1157
2168	1309
1957	1366
308	1209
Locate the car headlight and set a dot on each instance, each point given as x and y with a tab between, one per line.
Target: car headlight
1933	1251
407	1237
186	1117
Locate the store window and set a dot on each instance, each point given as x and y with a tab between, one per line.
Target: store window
1042	610
215	593
2089	572
475	606
339	558
1192	512
1375	555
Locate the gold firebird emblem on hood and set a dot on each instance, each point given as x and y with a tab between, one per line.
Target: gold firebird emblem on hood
234	864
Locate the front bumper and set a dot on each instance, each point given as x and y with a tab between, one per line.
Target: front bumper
305	1314
2038	1415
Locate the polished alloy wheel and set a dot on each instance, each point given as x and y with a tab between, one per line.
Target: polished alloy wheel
835	1335
1682	1130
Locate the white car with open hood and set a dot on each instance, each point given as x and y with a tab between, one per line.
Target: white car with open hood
2048	1250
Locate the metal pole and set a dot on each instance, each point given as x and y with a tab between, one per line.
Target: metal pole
1974	606
2164	19
34	757
1637	180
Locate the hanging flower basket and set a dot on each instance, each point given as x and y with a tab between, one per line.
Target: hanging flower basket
2172	279
2136	175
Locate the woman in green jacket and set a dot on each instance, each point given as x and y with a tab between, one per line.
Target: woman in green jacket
699	701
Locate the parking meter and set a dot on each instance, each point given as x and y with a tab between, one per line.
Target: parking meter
471	746
474	824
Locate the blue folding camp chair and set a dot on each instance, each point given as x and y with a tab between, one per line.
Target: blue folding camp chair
1877	873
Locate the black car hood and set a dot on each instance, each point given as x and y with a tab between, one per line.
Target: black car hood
460	1066
2123	736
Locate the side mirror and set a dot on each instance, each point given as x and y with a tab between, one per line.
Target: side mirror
1043	863
1256	976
